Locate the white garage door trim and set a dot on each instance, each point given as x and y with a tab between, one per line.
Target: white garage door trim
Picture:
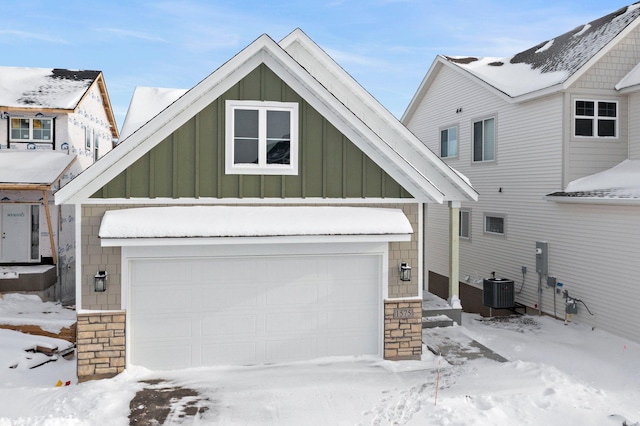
131	254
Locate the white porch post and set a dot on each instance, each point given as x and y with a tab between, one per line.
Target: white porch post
454	253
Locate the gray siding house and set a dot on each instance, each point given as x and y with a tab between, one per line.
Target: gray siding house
526	129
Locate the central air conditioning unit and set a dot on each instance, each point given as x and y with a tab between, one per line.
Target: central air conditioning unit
498	293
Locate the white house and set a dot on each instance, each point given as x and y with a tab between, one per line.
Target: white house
271	213
525	129
53	124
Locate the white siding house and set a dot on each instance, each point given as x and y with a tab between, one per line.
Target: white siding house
54	123
538	121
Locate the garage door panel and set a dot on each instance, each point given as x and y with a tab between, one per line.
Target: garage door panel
225	325
164	328
164	298
360	291
287	294
248	310
352	319
228	297
165	357
291	349
291	321
242	353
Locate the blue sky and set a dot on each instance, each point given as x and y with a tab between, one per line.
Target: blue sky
387	45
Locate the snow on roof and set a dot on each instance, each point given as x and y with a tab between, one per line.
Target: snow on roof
32	167
145	104
43	87
550	62
251	221
621	181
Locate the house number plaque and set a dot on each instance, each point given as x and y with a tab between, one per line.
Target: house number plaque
403	313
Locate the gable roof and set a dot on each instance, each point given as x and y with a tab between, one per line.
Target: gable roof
145	104
342	101
546	67
50	89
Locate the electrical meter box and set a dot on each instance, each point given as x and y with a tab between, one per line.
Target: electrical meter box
542	257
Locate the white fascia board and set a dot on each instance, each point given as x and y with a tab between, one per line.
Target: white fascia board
245	201
385	125
211	241
161	126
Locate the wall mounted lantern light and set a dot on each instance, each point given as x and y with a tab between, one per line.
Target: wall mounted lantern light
405	272
100	281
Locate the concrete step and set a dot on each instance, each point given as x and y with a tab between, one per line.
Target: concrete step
433	321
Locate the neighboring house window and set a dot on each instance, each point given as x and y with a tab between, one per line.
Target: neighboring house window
484	140
261	138
596	119
31	130
96	145
494	224
465	224
88	136
449	142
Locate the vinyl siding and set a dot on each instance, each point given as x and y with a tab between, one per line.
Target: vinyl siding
585	156
634	126
592	249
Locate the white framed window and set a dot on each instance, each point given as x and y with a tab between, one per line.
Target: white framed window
261	138
449	142
31	129
484	140
465	224
596	119
494	224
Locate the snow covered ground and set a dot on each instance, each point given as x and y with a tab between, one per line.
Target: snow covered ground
555	375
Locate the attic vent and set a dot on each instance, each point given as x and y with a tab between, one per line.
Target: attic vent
496	64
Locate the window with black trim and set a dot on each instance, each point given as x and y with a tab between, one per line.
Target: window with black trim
449	142
31	129
261	138
596	119
484	140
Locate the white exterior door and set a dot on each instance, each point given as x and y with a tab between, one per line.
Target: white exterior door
189	312
15	224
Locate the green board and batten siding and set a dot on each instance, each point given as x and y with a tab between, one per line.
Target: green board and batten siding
190	162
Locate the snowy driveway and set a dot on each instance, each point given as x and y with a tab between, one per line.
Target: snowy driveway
555	375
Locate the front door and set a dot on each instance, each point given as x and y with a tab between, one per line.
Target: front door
15	223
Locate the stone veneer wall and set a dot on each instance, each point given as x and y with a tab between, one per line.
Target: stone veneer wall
403	332
100	345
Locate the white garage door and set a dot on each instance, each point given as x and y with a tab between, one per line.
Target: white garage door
189	312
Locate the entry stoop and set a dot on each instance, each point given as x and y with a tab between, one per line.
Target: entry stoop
437	312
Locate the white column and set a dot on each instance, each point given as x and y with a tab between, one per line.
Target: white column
454	253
